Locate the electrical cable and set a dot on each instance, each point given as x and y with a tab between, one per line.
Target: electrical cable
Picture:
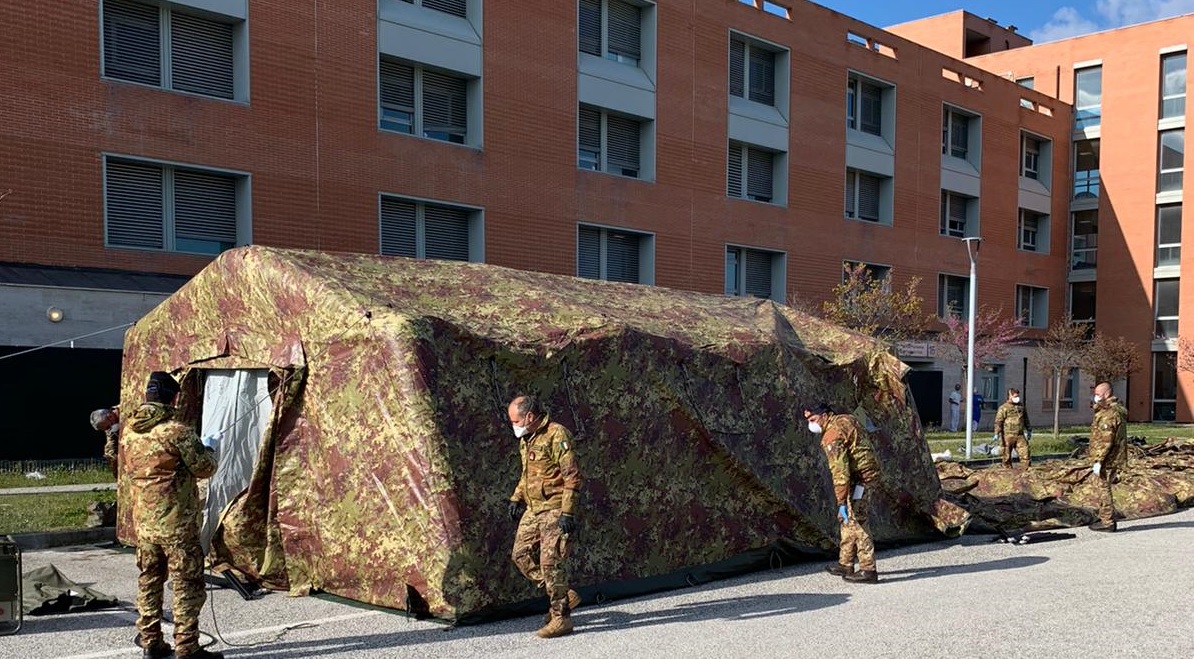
70	340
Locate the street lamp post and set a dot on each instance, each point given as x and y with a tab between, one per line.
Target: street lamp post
972	245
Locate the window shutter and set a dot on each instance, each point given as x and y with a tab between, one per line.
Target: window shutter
851	209
957	208
204	210
625	32
453	7
734	176
868	197
445	232
397	86
621	257
759	174
201	58
132	42
872	109
398	228
758	274
589	130
445	104
588	252
959	135
589	27
134	204
737	67
762	76
623	142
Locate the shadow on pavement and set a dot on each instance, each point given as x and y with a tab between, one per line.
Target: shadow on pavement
947	570
74	622
1157	526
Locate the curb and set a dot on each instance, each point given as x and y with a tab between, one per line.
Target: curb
48	539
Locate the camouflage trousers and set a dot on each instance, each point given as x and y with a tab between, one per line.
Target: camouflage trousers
1020	444
183	561
856	543
1106	504
540	551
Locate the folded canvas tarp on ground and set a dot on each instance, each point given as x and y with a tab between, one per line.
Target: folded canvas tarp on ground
384	469
1157	480
45	591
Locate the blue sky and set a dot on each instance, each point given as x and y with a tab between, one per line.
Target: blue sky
1040	20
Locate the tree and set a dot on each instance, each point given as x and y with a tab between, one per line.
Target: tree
993	334
1109	359
871	305
1061	351
1185	354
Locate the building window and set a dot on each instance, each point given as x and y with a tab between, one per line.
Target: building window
1033	231
613	255
1068	384
1164	386
165	47
1088	97
953	296
752	71
1169	235
1027	82
1082	302
1032	306
864	105
752	272
881	273
1030	157
172	208
1173	152
956	209
955	132
1165	301
418	101
453	7
751	173
608	143
990	385
1085	231
611	29
1086	169
426	230
1173	85
865	194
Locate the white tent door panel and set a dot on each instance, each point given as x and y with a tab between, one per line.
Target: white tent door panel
237	408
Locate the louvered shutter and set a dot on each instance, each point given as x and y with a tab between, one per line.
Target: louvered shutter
957	208
625	32
868	197
132	42
445	232
589	132
589	27
621	257
959	135
201	59
445	105
734	175
737	67
397	89
851	209
762	76
623	143
453	7
204	211
871	120
398	228
133	196
759	174
758	274
588	253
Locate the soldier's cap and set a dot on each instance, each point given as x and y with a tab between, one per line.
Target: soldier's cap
101	418
162	386
817	409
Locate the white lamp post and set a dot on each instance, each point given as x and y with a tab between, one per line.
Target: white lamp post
972	245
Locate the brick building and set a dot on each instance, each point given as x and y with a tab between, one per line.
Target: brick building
734	148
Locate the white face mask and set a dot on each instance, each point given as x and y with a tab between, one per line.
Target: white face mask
519	431
1097	398
1016	399
814	427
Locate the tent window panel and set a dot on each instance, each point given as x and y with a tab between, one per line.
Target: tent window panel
623	143
625	31
132	42
204	212
621	257
398	234
760	174
588	253
201	56
135	198
445	231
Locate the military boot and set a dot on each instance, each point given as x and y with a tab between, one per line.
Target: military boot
862	576
159	650
573	602
559	625
839	570
1108	527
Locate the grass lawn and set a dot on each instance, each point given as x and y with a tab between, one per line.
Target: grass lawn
1043	441
47	512
57	476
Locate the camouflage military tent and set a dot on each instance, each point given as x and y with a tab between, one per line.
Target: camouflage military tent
383	468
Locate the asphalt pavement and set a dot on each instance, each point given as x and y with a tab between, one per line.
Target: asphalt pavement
1105	595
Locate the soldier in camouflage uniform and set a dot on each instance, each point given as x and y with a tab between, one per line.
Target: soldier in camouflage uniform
1011	426
107	421
1108	449
162	460
545	503
854	469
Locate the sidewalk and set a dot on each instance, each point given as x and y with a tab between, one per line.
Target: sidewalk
58	489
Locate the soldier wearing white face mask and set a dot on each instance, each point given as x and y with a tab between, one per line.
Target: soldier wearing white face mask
1013	429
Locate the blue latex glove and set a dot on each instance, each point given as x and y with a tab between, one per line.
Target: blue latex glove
1028	435
843	513
211	441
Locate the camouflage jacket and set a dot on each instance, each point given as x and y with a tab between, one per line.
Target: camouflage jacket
1109	433
162	460
851	458
1011	420
550	476
112	444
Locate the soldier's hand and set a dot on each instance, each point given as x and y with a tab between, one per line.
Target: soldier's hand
843	513
1097	468
515	509
567	524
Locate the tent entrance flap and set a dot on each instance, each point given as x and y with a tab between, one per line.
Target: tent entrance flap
237	407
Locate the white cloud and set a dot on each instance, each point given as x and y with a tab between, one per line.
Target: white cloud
1070	22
